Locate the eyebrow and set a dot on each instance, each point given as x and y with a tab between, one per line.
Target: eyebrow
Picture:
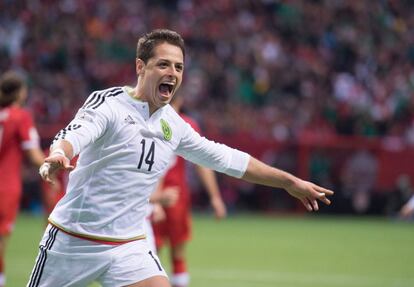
169	61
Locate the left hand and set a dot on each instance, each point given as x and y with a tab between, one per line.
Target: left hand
309	194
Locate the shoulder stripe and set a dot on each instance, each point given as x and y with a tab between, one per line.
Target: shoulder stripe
96	96
90	99
110	93
95	99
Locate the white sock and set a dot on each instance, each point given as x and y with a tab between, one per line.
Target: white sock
180	279
2	279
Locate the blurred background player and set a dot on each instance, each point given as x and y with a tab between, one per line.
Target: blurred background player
18	136
156	213
175	227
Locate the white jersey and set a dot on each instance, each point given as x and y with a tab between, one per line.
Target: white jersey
123	151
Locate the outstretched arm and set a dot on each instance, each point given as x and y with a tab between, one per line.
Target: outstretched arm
59	158
308	193
209	180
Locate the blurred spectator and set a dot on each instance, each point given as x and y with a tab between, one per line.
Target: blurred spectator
299	69
289	55
358	179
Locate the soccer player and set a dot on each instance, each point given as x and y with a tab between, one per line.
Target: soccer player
156	213
18	136
126	139
176	227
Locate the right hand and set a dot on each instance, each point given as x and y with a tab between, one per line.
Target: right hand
52	164
219	207
158	213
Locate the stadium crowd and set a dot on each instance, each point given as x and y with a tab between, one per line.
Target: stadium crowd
294	67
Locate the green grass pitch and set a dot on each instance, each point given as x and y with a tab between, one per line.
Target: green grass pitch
257	251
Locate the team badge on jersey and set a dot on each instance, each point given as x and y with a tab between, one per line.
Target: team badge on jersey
166	130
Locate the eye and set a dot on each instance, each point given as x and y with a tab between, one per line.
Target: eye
179	68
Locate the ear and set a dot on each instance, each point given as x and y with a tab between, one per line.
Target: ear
139	66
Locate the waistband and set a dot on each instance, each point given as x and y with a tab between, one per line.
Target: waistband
96	239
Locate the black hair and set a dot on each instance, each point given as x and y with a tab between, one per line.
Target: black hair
10	85
147	43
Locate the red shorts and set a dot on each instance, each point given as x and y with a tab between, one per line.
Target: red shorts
176	228
9	208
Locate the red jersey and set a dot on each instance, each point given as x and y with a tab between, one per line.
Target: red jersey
17	133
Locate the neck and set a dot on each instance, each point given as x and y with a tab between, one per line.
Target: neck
133	92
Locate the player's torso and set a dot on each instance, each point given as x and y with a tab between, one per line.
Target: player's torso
134	146
116	174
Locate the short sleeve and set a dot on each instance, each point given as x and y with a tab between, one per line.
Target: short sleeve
28	134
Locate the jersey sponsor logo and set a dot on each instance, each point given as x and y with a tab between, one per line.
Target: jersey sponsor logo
129	120
166	130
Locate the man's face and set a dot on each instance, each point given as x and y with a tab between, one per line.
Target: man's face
161	77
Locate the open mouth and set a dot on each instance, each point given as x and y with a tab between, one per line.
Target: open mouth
166	89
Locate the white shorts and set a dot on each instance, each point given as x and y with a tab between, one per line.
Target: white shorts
64	261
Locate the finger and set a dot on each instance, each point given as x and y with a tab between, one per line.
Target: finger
322	197
68	167
49	180
324	190
44	170
306	204
314	204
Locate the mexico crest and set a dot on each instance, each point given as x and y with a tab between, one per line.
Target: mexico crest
166	130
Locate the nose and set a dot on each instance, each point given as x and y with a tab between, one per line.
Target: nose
172	71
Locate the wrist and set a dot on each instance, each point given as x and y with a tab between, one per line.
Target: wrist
288	180
58	151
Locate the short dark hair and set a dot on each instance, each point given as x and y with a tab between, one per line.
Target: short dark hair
10	85
147	43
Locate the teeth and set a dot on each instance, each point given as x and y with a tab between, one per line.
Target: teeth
170	86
